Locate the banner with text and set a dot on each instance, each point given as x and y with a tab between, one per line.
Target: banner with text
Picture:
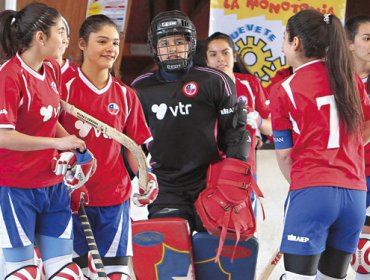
257	28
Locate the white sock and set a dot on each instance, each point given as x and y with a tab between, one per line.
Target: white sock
321	276
360	276
293	276
13	266
116	268
53	265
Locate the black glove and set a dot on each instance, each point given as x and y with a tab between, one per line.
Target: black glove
240	114
238	142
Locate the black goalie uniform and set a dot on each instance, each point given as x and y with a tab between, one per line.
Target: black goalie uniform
186	118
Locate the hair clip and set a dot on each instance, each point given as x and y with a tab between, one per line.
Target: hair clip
327	18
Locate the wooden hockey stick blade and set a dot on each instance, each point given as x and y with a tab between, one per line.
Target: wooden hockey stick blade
91	243
271	265
115	135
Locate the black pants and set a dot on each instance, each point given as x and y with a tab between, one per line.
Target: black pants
177	204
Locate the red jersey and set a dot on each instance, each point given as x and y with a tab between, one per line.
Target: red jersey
323	154
29	103
250	88
69	70
118	106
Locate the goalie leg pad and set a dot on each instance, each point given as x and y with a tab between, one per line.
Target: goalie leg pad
70	271
30	272
242	268
162	249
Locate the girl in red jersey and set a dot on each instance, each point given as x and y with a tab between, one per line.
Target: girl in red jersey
317	117
220	54
34	203
68	68
95	91
358	34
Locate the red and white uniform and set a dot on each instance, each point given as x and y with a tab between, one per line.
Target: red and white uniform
69	70
29	103
323	154
250	87
116	105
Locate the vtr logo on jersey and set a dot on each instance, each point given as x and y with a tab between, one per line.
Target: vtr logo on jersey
48	112
113	108
161	109
190	89
3	112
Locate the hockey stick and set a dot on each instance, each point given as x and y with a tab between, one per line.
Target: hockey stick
91	242
271	265
116	135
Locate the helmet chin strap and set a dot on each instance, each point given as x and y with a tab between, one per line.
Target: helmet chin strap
174	65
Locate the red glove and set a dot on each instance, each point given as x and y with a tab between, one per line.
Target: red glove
145	197
76	197
81	172
63	162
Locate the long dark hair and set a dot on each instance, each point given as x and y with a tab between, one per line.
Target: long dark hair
323	36
17	28
239	65
353	24
93	24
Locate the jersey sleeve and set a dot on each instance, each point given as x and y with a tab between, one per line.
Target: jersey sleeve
262	103
10	98
225	102
136	127
279	109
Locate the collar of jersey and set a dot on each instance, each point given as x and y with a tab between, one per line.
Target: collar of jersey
30	70
91	86
308	63
174	76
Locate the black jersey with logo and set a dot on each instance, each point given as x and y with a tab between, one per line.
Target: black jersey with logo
185	118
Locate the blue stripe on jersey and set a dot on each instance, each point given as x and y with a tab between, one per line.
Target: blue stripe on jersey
283	139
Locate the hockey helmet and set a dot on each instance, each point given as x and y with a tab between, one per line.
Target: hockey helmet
172	23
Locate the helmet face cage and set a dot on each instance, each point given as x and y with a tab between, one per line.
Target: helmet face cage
168	24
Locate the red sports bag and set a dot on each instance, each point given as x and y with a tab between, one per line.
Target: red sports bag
225	206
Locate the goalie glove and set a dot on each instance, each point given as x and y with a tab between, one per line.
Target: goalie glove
238	143
254	120
145	197
76	197
80	173
62	163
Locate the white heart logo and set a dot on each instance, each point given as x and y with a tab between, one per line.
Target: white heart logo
83	128
159	110
46	112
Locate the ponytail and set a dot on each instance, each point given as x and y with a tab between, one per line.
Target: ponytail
18	28
342	76
323	36
8	41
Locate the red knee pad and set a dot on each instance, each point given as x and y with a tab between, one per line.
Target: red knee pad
24	273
